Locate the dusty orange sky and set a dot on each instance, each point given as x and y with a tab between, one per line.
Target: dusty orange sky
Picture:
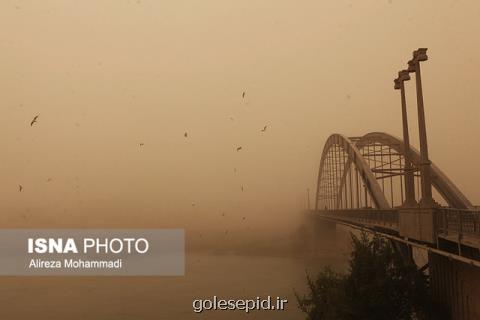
105	76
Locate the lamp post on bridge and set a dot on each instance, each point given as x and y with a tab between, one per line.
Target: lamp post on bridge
409	178
425	174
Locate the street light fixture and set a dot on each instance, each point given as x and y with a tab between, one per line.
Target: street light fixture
425	171
409	178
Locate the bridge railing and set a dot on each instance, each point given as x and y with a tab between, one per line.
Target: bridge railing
382	218
458	221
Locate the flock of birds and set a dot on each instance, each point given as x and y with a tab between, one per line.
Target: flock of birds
239	148
186	133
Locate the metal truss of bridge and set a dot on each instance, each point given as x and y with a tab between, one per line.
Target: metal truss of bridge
361	180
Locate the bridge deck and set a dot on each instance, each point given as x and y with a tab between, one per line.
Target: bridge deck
387	219
455	225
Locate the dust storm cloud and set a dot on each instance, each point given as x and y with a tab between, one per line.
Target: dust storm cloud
117	84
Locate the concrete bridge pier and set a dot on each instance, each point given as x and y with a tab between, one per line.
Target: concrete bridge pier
456	285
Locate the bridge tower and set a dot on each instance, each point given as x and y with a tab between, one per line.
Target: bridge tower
414	66
379	183
409	178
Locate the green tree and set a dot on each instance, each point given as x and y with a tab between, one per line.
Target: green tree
380	285
327	299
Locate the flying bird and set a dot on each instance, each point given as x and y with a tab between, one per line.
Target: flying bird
243	94
264	129
185	134
34	120
239	148
20	188
142	144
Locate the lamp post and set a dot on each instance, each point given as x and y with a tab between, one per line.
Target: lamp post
425	174
409	179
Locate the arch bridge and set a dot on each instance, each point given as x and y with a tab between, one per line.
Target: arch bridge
362	183
362	180
379	183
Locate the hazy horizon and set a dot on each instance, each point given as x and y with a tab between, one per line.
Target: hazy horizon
105	77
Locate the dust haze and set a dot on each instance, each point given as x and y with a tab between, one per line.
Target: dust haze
142	105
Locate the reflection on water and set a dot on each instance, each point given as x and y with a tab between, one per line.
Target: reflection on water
226	276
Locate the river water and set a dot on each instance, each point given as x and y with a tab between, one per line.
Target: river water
224	276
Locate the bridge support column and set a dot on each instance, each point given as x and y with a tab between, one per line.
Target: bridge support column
455	285
417	223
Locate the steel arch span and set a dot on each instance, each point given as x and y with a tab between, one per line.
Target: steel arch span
368	172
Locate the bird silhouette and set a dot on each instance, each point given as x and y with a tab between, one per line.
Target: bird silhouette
264	129
243	218
185	134
243	94
20	188
142	144
34	120
239	148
